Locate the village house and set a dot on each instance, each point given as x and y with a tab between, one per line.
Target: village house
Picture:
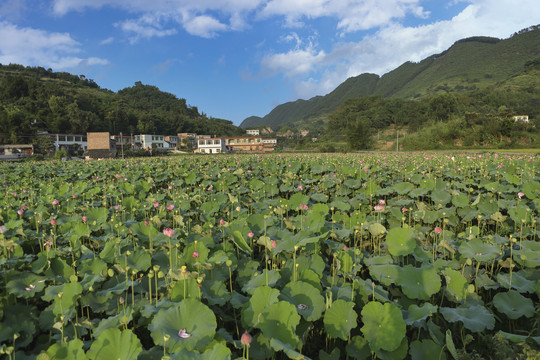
253	132
523	118
69	141
211	146
269	144
100	145
148	141
244	143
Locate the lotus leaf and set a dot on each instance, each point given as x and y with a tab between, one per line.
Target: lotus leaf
456	284
267	277
115	344
386	274
278	345
426	349
358	348
513	304
376	229
517	281
416	314
479	250
72	350
441	197
279	322
529	254
384	327
340	319
398	354
334	355
308	300
190	318
261	299
475	318
400	241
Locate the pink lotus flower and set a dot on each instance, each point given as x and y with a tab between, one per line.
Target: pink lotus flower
245	339
382	202
520	194
300	187
170	207
116	207
404	209
221	222
146	222
20	211
437	230
195	254
250	235
74	196
53	222
274	244
84	219
210	188
156	204
55	202
168	232
183	334
378	208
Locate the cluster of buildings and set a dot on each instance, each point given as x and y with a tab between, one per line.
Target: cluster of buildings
102	144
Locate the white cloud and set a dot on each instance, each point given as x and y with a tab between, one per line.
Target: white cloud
145	27
29	46
204	26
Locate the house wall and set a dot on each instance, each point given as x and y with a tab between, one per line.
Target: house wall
98	140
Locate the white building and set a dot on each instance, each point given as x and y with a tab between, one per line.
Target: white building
211	146
69	141
252	132
147	141
173	141
269	141
524	118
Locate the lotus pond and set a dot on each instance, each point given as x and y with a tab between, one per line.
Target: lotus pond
351	256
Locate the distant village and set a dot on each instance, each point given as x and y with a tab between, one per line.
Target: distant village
104	145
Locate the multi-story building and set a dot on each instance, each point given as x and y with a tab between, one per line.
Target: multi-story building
253	132
244	143
173	141
147	141
269	144
188	140
69	141
211	146
100	145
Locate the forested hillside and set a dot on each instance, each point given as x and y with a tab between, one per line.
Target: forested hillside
33	99
465	69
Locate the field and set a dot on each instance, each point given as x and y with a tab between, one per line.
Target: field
343	256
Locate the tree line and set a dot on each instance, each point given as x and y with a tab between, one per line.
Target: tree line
33	100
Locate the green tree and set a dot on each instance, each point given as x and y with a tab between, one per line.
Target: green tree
359	134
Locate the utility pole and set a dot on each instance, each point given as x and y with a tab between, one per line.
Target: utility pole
122	144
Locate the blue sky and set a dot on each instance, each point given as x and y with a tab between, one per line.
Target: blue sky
237	58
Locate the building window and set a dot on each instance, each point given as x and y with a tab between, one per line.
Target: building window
69	138
217	142
61	138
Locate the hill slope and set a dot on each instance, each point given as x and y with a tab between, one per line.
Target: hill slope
470	64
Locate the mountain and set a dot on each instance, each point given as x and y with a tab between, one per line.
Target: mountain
469	64
33	99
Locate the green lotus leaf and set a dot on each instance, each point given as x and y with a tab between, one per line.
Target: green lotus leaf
21	320
460	200
139	260
419	283
416	313
72	350
115	344
195	253
94	265
456	284
478	250
334	355
215	292
475	318
261	299
441	197
358	348
297	199
307	299
376	229
484	281
426	349
517	281
340	319
25	285
217	352
240	242
386	274
279	322
122	318
403	188
397	354
384	327
59	268
400	241
531	189
513	304
97	216
190	325
345	262
519	213
517	338
529	254
70	292
267	277
278	345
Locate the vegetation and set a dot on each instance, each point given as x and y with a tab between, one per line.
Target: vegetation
359	256
476	75
33	99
